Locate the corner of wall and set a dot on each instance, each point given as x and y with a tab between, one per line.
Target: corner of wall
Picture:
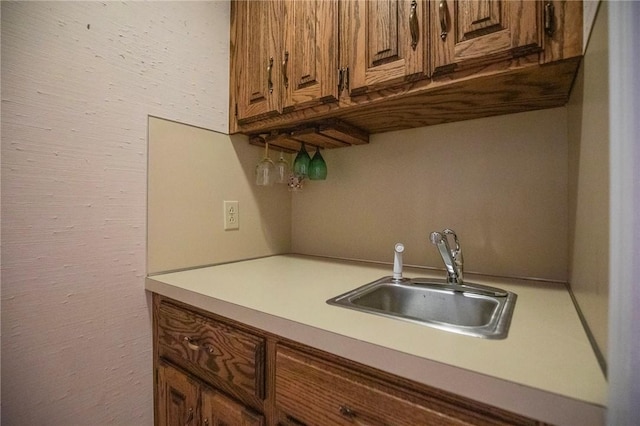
588	113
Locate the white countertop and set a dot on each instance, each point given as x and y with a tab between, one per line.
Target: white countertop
545	368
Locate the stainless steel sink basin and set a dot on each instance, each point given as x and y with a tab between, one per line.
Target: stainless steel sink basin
470	309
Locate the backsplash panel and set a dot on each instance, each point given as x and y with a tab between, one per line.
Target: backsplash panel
191	172
500	183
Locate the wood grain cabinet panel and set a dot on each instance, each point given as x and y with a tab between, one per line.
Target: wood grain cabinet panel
218	410
312	392
255	58
479	31
177	396
310	56
184	401
387	42
230	358
315	391
284	56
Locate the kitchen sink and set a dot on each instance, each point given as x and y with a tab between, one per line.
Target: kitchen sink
470	309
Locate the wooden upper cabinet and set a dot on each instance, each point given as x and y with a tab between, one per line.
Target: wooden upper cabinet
479	31
310	53
383	65
284	56
256	58
387	42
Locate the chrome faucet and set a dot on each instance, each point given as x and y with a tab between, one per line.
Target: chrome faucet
452	258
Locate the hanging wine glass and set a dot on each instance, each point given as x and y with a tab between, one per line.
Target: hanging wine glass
265	170
301	163
282	169
317	167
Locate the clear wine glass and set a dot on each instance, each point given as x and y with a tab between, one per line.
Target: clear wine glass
282	169
265	170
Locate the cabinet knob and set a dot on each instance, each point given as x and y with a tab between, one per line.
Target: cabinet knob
347	412
192	343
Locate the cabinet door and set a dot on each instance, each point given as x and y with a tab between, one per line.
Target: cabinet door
255	56
177	398
310	54
218	410
477	31
387	42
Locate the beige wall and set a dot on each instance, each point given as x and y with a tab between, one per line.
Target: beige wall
500	183
588	113
191	172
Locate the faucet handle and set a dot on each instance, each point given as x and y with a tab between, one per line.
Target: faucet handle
457	249
456	252
435	238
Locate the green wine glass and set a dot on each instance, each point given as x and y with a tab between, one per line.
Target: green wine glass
317	167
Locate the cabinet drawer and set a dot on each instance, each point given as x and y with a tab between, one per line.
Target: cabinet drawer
227	357
313	392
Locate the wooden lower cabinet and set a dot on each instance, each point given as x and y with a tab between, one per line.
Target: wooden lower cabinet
324	391
183	400
205	383
177	397
221	411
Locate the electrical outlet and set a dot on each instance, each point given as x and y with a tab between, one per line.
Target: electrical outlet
231	215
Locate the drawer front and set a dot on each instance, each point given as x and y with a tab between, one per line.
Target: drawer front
225	356
312	392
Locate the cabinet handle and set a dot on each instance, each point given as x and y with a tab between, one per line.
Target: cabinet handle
285	77
444	19
269	80
206	421
347	412
413	24
190	417
549	18
193	344
345	80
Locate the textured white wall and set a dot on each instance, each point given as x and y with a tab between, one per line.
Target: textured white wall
78	82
